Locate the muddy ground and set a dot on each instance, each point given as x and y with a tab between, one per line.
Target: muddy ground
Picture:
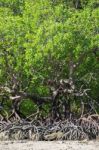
45	145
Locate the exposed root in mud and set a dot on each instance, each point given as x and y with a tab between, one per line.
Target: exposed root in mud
78	129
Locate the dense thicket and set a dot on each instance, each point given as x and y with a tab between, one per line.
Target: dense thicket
49	58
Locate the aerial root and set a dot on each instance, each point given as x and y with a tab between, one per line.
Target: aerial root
84	128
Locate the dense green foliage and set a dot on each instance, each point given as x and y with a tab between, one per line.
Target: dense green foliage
38	41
